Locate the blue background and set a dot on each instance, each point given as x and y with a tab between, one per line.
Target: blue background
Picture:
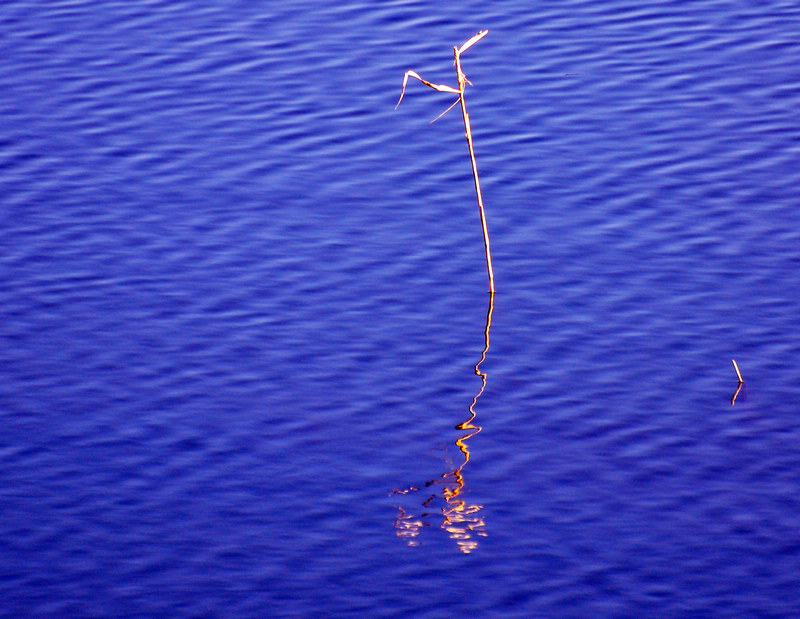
243	299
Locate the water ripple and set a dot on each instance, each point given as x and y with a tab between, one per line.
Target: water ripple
243	296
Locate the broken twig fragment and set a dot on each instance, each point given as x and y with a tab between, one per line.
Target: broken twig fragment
741	382
462	82
738	373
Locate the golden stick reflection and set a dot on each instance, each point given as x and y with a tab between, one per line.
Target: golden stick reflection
736	393
463	521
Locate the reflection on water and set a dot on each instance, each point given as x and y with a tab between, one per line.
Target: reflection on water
462	520
736	393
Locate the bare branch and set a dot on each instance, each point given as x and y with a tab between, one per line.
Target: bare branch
439	87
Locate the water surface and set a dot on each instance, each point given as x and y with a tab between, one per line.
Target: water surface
244	299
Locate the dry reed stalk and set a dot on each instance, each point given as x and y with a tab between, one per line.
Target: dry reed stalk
462	82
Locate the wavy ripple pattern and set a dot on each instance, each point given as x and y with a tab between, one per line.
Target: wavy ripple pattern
243	297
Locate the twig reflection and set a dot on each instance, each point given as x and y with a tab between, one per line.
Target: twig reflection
462	520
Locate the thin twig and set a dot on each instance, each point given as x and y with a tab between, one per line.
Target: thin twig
738	373
741	382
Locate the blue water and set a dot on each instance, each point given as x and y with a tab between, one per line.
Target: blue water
243	300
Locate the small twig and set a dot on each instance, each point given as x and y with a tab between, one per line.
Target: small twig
439	87
738	373
455	103
741	382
